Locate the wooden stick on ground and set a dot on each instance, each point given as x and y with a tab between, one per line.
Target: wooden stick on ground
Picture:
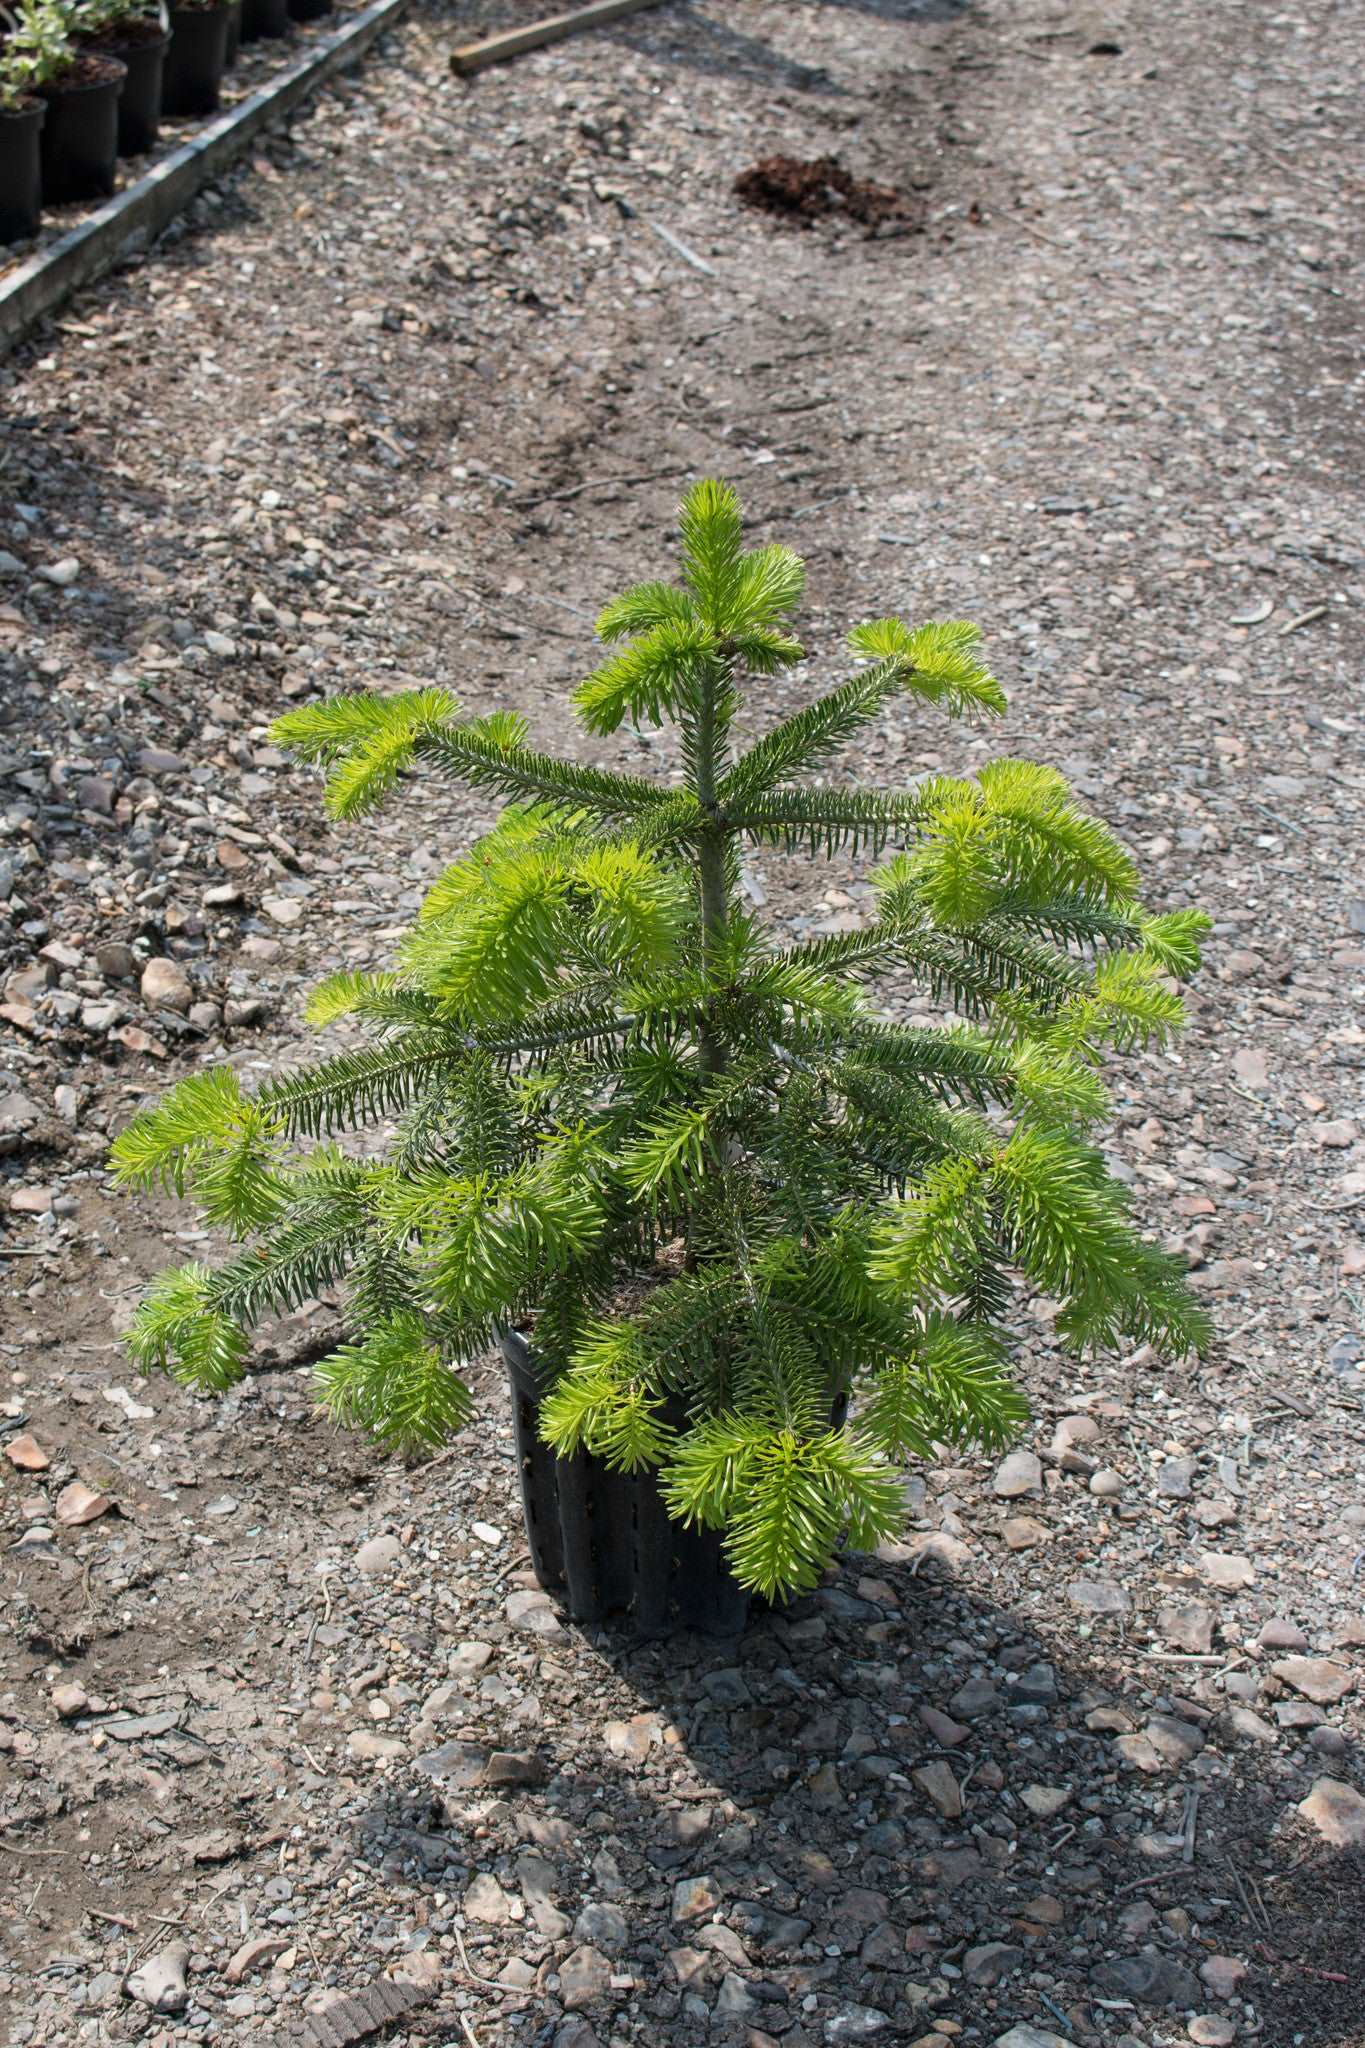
512	42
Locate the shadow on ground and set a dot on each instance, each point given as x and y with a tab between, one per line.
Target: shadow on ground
801	1786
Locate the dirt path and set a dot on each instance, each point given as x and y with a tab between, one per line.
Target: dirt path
406	401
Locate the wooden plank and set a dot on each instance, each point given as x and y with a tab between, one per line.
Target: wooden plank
137	215
513	41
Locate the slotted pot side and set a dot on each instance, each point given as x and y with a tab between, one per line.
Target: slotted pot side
604	1541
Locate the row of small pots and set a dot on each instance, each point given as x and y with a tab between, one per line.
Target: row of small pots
62	144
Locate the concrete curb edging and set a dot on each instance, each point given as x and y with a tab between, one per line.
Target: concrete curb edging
138	214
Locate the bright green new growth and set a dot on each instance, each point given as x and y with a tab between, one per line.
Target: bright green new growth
726	1191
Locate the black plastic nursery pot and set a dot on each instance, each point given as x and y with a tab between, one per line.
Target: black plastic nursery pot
140	47
309	10
604	1540
234	35
269	18
193	75
21	171
80	134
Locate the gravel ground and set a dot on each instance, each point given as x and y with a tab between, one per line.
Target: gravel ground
256	64
405	401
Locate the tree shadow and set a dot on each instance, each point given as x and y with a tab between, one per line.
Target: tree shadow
716	49
906	10
63	498
772	1833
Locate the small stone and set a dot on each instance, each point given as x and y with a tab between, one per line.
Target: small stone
1173	1740
1021	1472
940	1787
1251	1067
69	1700
95	793
219	644
286	910
254	1955
1021	1532
727	1688
160	1983
991	1962
64	574
1227	1570
533	1610
371	1748
1207	2030
166	986
694	1898
735	2002
1317	1678
632	1740
1025	2036
1175	1480
1149	1979
26	1454
1106	1484
1043	1801
1045	1910
601	1925
1188	1628
468	1657
884	1948
1279	1634
1138	1752
584	1977
856	2023
379	1554
974	1699
1222	1975
1098	1596
515	1767
1071	1432
1337	1811
1336	1136
31	1201
947	1732
487	1902
1244	1725
115	961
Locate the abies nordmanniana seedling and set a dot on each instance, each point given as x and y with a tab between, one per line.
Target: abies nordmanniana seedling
720	1188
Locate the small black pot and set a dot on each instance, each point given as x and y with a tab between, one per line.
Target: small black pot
309	10
139	106
80	134
234	35
21	172
264	18
194	62
605	1540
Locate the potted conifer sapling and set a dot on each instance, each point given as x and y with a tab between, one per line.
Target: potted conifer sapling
748	1240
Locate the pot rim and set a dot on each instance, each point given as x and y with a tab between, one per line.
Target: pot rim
115	74
110	43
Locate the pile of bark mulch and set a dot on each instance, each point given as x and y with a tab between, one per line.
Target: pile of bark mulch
805	189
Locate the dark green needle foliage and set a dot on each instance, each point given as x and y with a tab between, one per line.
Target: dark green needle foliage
723	1186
